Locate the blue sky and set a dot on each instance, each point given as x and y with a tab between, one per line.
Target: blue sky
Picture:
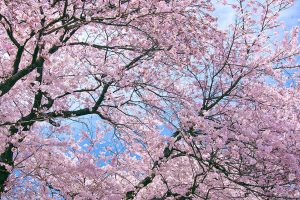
290	16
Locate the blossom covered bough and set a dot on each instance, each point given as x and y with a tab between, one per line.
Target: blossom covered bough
88	89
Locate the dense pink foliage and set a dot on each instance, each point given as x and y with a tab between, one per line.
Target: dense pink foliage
88	86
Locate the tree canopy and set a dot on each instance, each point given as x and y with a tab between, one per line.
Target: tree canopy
136	99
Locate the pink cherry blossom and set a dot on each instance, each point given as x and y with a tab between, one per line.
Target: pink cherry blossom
139	99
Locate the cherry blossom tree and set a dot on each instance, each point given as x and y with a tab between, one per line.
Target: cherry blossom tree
136	99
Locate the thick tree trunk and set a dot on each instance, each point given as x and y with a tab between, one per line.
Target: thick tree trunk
7	158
